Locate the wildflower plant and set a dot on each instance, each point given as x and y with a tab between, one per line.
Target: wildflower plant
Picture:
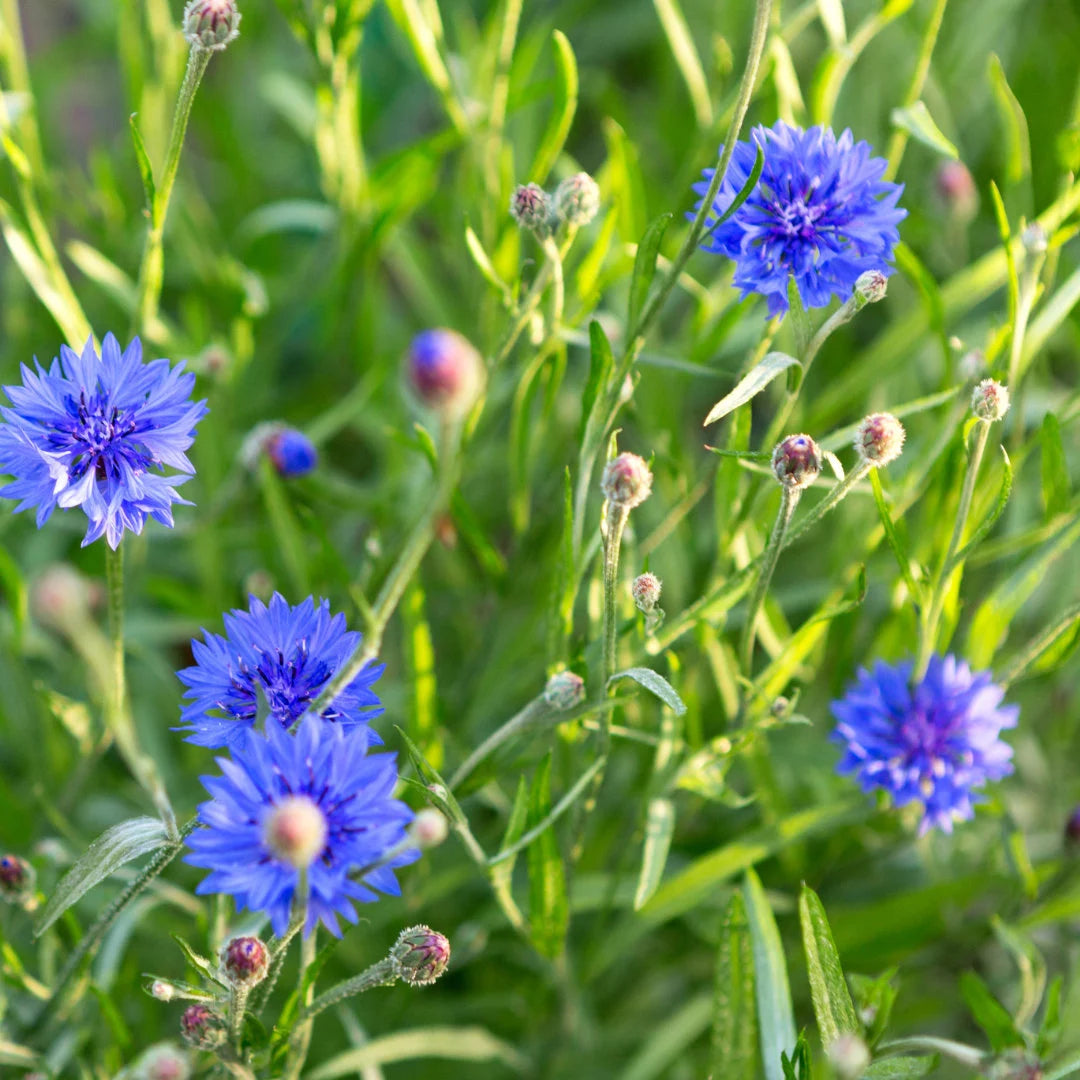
438	737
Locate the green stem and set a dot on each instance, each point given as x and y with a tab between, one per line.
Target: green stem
300	1040
789	499
237	1004
279	949
92	938
833	496
930	1044
616	523
384	973
114	577
517	723
152	268
928	637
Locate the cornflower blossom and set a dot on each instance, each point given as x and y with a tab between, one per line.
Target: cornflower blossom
820	213
98	433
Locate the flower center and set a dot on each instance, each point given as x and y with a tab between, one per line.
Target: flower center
99	437
288	684
796	220
296	831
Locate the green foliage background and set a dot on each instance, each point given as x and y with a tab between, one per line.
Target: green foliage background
303	251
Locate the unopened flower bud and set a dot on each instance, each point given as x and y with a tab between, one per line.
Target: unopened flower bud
849	1057
879	439
1016	1065
626	481
990	400
162	1062
245	961
530	207
871	286
162	990
211	24
17	878
295	831
646	592
956	189
420	955
564	690
577	199
445	371
60	597
291	452
429	828
202	1028
797	461
1034	239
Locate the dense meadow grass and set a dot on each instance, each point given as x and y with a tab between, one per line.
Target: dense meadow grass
656	875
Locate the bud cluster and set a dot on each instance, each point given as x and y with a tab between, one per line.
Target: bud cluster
575	202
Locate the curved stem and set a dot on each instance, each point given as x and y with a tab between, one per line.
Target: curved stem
789	499
616	523
518	722
384	973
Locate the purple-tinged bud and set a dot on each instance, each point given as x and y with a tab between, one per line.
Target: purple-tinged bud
956	189
429	828
627	481
879	439
1072	829
162	1062
211	24
646	592
564	690
202	1028
291	452
61	597
797	461
420	955
245	961
870	287
296	831
445	371
849	1056
17	878
990	400
530	207
577	199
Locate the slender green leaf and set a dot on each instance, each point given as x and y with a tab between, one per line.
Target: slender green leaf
659	827
832	18
751	384
645	267
502	873
110	851
734	1030
562	111
989	1013
1011	114
655	683
667	1041
919	124
775	1017
833	1007
981	533
1055	472
146	170
901	1068
549	911
686	56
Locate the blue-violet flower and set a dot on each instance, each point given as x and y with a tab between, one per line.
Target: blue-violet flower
99	433
934	743
278	658
273	795
820	212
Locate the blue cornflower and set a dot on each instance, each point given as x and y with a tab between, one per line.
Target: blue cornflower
820	212
275	657
99	433
314	803
933	743
291	452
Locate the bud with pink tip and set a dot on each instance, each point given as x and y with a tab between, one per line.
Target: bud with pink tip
445	371
429	828
797	462
564	690
577	199
646	592
849	1056
162	1062
211	24
17	878
870	287
202	1028
627	481
61	597
956	189
990	400
245	961
420	955
162	990
530	207
295	831
879	439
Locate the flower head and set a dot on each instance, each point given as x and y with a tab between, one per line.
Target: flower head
626	480
348	792
245	961
530	207
445	371
934	743
291	452
990	400
99	434
820	212
879	439
278	658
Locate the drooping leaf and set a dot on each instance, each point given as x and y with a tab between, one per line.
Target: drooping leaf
751	384
645	268
655	683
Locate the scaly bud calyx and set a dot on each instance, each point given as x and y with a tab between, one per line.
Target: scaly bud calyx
990	401
201	1027
530	207
797	462
577	199
211	24
870	287
879	439
564	690
420	955
245	961
646	592
627	481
